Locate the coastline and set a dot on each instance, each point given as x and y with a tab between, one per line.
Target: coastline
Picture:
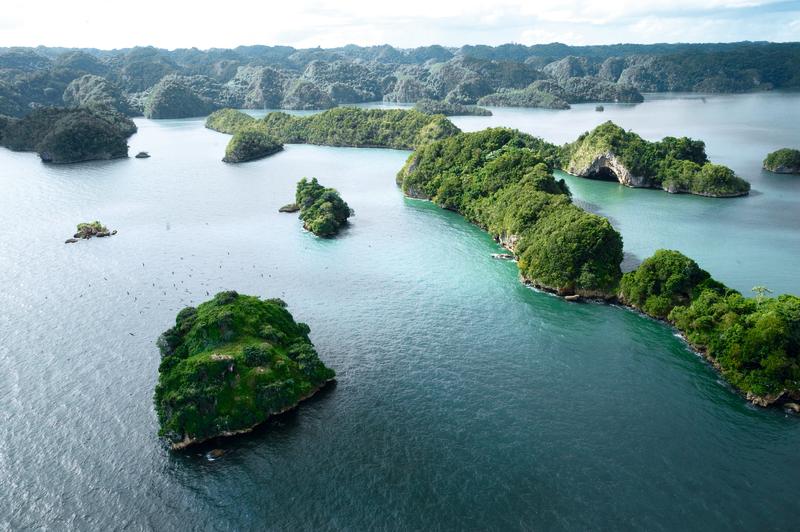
189	442
763	401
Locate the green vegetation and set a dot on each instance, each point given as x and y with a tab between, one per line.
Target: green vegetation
174	97
783	161
70	135
231	363
343	126
89	229
673	164
552	94
527	97
91	90
755	342
305	95
249	144
502	180
362	128
250	140
229	121
665	280
322	210
270	77
438	107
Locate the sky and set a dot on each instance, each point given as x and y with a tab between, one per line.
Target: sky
408	23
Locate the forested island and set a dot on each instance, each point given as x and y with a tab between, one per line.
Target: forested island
439	107
783	161
677	165
230	364
69	135
250	144
502	181
87	230
189	82
343	126
322	210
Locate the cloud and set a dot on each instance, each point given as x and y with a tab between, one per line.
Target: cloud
171	24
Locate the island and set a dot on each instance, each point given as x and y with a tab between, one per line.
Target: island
677	165
249	144
439	107
501	180
343	126
290	207
71	135
783	161
231	363
322	210
88	230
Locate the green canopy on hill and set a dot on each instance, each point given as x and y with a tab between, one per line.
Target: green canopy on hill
231	363
69	135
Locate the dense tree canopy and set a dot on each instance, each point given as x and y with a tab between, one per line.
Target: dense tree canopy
437	107
70	135
249	144
673	164
784	161
175	97
343	126
502	180
259	77
322	210
229	364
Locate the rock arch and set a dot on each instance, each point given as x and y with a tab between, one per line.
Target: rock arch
608	167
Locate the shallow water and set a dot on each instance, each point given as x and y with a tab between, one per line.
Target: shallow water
464	399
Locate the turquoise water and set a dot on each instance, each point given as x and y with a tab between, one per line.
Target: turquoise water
464	400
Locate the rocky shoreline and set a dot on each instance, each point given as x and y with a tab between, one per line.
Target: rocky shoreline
190	442
607	166
786	399
89	230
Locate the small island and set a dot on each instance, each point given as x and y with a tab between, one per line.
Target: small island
250	144
290	207
322	210
230	364
677	165
783	161
72	135
88	230
439	107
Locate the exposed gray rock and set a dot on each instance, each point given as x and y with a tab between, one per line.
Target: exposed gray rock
608	166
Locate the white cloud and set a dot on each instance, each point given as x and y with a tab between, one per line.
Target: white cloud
169	24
